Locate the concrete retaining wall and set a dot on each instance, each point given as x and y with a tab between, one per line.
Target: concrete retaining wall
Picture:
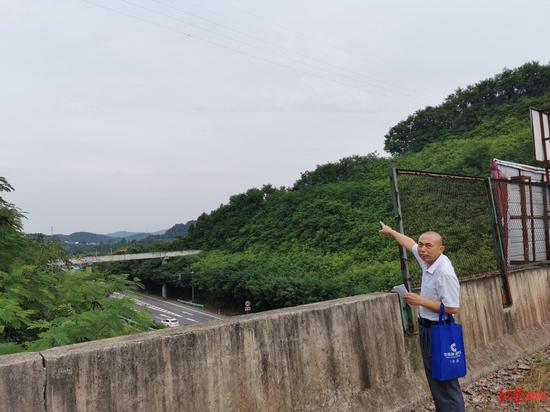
343	355
22	382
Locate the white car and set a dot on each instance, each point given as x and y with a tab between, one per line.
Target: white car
170	322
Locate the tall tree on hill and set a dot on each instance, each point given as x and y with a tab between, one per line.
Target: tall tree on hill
465	108
11	239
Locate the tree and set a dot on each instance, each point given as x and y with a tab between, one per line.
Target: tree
465	108
42	305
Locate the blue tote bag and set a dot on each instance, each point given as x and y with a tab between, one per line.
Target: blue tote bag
448	357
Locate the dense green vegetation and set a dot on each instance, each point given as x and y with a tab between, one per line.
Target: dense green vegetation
464	110
319	238
42	306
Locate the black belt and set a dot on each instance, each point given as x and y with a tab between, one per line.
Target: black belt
427	323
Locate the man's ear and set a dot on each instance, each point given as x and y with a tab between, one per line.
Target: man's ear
441	248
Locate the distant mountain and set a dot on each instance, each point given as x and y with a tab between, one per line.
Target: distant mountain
179	229
85	242
84	237
95	238
125	234
137	237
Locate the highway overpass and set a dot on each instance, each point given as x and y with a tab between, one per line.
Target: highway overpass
88	260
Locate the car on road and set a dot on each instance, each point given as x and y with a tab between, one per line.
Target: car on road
170	322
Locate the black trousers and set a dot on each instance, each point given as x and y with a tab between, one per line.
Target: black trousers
447	395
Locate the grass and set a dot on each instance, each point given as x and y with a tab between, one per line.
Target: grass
538	380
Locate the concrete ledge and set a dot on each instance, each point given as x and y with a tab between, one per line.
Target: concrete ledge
335	355
487	359
22	382
342	355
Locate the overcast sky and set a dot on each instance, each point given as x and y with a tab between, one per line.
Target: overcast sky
138	114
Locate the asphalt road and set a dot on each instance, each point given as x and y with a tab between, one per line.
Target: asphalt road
166	308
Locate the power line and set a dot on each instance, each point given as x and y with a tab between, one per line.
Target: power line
282	27
307	36
368	79
217	44
346	77
133	16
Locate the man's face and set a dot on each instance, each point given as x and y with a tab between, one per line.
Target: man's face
429	248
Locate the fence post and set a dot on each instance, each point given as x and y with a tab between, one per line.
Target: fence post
406	312
503	278
545	193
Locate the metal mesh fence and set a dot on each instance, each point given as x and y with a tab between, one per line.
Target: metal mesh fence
459	208
523	217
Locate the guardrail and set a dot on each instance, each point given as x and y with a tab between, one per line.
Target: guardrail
198	305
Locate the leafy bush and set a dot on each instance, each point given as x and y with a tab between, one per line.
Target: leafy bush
42	305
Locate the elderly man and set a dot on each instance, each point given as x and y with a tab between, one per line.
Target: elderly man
439	284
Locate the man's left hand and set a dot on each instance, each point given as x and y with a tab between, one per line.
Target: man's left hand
413	298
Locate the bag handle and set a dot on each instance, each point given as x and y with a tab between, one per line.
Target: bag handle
442	313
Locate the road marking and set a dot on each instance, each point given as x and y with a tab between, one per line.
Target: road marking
158	309
192	320
175	304
186	308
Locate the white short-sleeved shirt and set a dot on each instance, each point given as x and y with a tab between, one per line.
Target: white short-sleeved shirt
439	282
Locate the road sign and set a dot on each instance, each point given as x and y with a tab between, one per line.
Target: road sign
247	306
247	303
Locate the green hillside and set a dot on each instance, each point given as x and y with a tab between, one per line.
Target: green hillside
319	238
467	108
84	237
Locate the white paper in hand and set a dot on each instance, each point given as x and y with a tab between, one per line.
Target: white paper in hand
401	289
